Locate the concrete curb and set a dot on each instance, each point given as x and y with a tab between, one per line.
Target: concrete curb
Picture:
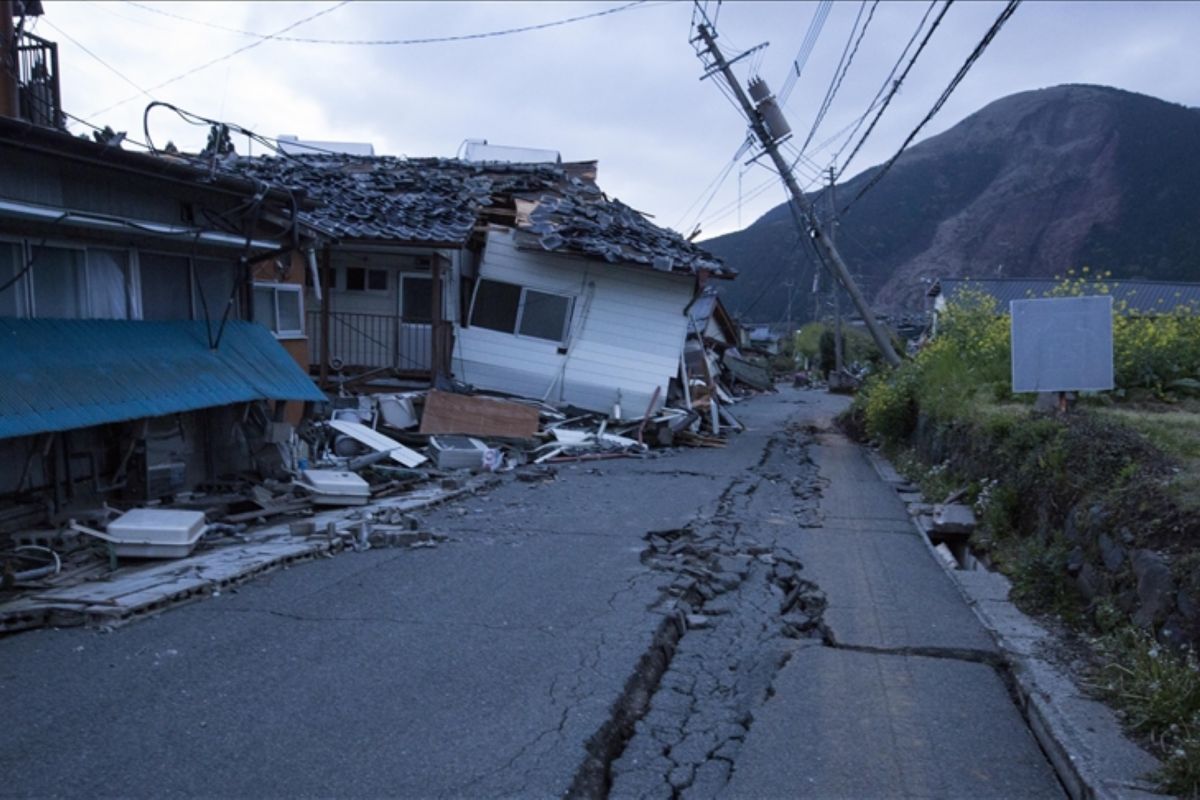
1081	737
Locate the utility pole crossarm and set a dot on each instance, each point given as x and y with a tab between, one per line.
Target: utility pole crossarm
824	245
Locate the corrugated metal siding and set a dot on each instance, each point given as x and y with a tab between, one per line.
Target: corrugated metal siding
630	329
61	374
1145	297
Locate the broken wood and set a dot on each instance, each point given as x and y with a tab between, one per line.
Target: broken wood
477	416
649	410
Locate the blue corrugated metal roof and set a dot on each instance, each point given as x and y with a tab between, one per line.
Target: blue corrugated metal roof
1144	297
61	374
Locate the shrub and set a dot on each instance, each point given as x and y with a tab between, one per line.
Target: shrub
1158	693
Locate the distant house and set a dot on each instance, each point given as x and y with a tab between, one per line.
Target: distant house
544	287
138	319
763	339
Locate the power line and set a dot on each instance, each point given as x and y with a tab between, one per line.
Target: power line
1004	16
98	129
815	25
225	57
840	73
715	184
883	87
102	62
397	42
897	84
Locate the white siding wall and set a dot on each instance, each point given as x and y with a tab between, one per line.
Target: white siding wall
627	332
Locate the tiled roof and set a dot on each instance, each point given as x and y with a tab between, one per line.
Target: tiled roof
1145	297
439	201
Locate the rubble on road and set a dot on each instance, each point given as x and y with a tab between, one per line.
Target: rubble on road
335	482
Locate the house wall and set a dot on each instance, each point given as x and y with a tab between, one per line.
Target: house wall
626	336
292	274
50	180
380	337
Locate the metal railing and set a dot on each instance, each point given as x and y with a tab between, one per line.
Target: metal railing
37	81
370	341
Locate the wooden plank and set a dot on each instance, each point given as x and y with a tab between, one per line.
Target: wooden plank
477	416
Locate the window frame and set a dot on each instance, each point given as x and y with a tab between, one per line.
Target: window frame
521	302
276	289
132	284
344	283
193	306
22	289
420	276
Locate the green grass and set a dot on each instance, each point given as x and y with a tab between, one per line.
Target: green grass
1175	430
1157	692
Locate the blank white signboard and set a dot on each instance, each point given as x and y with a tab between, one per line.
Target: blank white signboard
1062	344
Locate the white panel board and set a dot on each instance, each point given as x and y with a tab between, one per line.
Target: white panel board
1062	344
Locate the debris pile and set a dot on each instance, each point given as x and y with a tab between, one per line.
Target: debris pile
345	478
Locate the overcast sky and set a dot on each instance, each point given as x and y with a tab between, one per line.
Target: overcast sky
622	88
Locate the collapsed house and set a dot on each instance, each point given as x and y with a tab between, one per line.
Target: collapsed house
523	279
147	307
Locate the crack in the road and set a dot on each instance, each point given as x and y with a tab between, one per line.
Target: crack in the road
970	655
433	623
732	607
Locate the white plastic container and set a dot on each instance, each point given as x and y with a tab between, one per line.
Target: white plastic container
331	487
155	533
457	452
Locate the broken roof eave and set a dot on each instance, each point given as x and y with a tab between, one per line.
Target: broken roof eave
682	273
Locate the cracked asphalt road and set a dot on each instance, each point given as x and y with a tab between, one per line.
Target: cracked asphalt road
543	649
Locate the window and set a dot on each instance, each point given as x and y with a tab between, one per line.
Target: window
12	295
416	298
544	316
509	308
361	279
166	286
214	288
108	283
278	307
59	283
496	306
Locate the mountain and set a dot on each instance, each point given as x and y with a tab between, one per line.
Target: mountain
1029	186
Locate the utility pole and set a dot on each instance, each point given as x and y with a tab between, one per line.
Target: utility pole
10	96
800	202
838	362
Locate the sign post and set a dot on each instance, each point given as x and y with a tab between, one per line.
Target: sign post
1062	344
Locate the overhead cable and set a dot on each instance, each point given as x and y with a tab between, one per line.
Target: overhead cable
100	60
897	84
820	14
883	87
715	183
398	42
840	73
1004	16
225	57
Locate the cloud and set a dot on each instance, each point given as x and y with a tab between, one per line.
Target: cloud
622	88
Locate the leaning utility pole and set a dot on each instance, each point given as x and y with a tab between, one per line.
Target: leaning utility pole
770	145
837	298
